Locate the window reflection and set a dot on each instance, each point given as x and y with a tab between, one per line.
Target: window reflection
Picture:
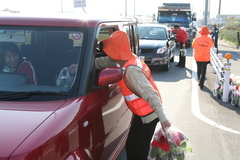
33	59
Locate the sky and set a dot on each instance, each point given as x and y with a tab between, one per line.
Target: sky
119	7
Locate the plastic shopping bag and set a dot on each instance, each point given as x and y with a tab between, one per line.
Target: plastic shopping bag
172	145
64	79
183	52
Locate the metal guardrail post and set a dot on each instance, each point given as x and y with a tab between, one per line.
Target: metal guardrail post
214	52
220	57
227	72
216	62
222	85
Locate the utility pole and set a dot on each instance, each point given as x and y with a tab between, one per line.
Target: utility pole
219	12
206	13
134	9
219	9
61	6
125	8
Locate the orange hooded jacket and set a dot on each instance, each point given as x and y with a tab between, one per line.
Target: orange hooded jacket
202	45
135	103
117	46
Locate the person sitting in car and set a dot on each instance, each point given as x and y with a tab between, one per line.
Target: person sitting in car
10	61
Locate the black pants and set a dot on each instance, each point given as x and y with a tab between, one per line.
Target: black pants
182	59
139	139
216	44
201	72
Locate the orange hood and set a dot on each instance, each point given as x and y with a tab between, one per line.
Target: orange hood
204	30
117	46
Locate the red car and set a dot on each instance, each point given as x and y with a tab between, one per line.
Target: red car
63	115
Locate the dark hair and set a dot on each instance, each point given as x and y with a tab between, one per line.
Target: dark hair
7	46
176	26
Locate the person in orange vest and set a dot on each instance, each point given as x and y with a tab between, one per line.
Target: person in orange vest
181	38
140	92
202	46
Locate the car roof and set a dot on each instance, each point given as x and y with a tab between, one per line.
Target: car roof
60	20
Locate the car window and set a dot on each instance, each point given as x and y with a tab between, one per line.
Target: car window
47	52
104	33
132	33
153	33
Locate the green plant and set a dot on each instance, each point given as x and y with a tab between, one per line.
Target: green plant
229	35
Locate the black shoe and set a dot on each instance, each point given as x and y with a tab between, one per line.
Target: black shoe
177	65
201	86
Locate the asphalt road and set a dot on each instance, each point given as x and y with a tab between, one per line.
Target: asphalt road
211	124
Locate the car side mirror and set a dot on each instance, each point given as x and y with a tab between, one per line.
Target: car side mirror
109	75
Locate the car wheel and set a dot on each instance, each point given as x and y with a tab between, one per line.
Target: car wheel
166	66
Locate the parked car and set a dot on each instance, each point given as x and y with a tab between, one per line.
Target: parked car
64	116
156	45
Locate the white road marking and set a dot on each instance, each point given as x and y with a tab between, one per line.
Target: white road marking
195	103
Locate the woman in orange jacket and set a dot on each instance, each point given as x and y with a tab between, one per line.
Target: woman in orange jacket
202	46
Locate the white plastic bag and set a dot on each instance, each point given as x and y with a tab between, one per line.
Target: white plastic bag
183	52
172	145
64	79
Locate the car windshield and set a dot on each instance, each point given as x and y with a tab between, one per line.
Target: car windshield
174	18
35	60
152	33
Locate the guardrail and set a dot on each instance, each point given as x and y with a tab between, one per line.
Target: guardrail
222	70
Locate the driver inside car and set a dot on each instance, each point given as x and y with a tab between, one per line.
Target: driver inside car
12	62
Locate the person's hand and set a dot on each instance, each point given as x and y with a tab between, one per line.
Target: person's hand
165	125
72	68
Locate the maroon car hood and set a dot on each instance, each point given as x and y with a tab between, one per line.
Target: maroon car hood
19	119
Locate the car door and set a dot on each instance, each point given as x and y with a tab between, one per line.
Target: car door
115	116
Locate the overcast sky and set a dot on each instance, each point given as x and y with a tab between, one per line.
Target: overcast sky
104	7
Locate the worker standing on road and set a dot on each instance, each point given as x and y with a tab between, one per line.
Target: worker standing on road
140	92
202	46
214	34
181	37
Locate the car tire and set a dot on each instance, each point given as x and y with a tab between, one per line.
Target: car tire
166	67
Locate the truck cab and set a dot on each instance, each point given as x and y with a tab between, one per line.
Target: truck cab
171	14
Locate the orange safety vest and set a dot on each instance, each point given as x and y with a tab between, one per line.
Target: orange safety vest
202	46
137	104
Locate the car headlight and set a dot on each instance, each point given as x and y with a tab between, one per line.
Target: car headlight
161	50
